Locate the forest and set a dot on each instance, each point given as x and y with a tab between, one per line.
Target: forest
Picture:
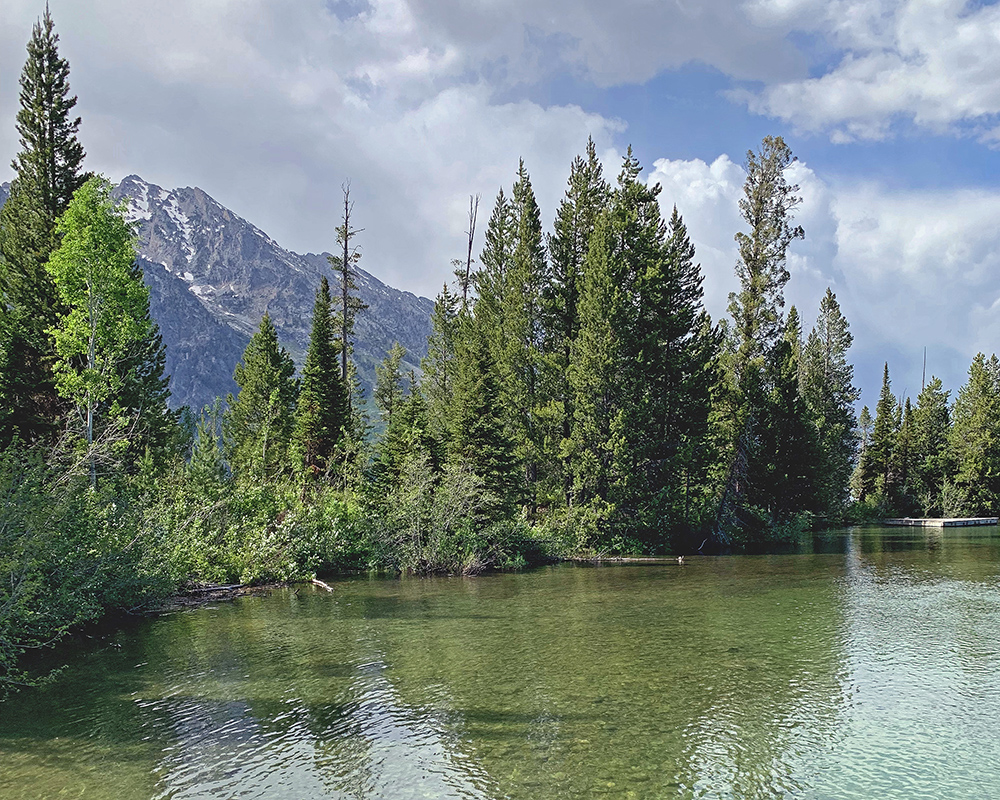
576	399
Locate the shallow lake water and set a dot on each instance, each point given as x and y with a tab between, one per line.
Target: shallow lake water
866	665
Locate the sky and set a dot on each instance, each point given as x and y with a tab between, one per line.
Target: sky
892	108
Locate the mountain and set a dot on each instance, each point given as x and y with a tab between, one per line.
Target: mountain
212	274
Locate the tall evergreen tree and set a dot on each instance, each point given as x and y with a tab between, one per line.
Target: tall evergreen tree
258	425
975	441
680	351
350	304
389	392
904	499
523	371
828	389
767	206
931	425
876	479
479	441
439	365
495	263
783	478
47	173
586	198
321	414
641	366
596	356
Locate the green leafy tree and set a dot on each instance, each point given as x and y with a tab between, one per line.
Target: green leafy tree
258	426
321	413
47	173
109	353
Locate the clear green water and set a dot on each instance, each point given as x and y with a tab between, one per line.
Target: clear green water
867	668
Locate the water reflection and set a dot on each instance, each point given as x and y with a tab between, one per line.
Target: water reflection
866	665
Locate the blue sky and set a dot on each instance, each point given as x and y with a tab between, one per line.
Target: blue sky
892	106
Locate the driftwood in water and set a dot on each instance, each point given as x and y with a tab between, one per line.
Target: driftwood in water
318	582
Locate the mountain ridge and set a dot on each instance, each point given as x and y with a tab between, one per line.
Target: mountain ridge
212	274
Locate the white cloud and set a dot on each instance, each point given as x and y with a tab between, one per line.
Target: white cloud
936	64
909	268
269	105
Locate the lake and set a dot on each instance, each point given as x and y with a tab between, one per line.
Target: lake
866	665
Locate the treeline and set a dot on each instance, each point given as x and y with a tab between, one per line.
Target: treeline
576	398
579	380
934	459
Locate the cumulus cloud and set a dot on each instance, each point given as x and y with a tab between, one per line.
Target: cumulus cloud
269	105
910	269
932	64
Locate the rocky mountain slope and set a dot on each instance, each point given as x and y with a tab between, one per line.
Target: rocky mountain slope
211	275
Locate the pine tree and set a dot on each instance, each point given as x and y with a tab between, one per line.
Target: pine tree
350	304
389	391
596	355
110	356
321	414
491	278
257	428
676	374
931	426
785	476
586	198
827	386
876	479
47	173
407	439
522	369
974	442
858	477
206	470
766	206
479	441
904	499
439	366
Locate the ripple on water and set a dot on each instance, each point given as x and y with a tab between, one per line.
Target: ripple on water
868	673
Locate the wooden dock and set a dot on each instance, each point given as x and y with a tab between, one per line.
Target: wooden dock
948	522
